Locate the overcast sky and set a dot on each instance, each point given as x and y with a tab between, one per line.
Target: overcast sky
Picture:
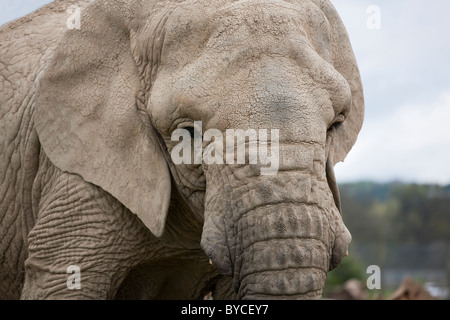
403	51
405	67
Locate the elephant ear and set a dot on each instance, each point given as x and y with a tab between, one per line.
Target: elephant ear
89	122
344	62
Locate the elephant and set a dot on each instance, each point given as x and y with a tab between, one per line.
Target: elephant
92	204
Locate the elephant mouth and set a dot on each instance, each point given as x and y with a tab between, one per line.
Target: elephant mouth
277	236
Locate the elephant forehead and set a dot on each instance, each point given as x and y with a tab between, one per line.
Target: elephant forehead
254	24
275	15
208	46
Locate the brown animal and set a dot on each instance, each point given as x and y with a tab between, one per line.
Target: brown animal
411	290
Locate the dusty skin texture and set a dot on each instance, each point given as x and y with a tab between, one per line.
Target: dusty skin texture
86	118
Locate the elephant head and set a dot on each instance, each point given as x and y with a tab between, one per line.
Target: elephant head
117	89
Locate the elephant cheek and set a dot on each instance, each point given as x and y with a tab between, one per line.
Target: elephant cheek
215	244
218	239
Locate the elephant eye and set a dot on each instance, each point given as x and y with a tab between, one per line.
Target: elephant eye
194	132
191	131
337	121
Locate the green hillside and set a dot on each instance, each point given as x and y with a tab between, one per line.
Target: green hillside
396	212
402	228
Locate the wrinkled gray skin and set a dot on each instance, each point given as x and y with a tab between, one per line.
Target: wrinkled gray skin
86	118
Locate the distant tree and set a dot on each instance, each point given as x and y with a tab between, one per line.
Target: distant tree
396	225
423	215
396	212
358	216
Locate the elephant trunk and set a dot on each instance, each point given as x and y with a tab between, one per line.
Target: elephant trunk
277	236
285	252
